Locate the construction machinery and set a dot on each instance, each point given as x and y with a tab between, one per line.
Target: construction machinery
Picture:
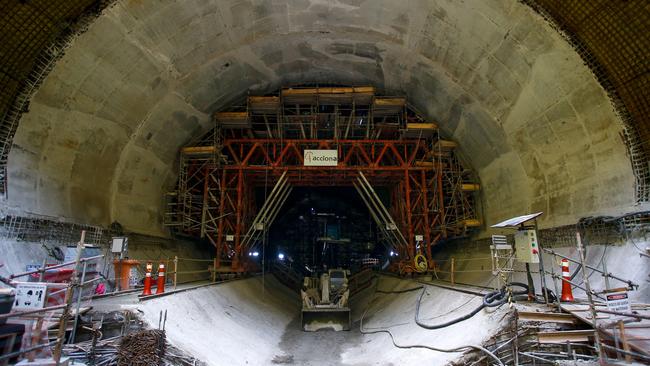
325	301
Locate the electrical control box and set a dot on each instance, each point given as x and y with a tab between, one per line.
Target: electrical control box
527	246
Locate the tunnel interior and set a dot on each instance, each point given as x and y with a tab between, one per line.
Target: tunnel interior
172	123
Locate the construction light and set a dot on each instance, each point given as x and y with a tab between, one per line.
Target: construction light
281	256
255	254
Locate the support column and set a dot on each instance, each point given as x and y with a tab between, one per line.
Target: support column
409	218
220	230
426	224
240	218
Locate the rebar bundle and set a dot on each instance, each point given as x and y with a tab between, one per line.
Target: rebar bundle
143	348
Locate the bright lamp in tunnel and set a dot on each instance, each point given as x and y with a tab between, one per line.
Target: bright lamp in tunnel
281	256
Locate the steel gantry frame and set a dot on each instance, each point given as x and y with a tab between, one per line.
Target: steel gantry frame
380	139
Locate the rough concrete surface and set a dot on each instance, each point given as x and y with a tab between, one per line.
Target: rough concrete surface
248	323
474	266
101	136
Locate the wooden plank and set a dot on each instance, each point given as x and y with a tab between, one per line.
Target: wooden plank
231	116
471	223
470	187
637	334
389	102
198	150
232	119
562	318
387	106
444	145
334	95
370	90
299	91
565	336
263	100
421	126
263	104
438	154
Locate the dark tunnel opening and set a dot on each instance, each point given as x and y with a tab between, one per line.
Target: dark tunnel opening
319	228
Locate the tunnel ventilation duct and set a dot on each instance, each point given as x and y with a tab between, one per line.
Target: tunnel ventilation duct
379	213
269	211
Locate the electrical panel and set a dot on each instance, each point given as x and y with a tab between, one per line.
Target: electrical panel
527	246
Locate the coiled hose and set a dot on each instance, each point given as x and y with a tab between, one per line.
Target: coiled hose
490	300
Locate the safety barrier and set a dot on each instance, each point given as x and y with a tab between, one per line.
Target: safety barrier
77	283
174	273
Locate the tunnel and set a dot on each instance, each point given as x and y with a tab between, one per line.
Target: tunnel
426	162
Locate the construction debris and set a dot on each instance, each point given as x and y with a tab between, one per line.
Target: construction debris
100	353
144	348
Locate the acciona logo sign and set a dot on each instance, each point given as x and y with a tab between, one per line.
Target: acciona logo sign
321	158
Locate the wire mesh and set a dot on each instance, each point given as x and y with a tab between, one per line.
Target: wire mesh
34	35
34	229
612	38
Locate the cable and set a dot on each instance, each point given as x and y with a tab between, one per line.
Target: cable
491	299
450	350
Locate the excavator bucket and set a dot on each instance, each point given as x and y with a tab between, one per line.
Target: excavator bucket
315	319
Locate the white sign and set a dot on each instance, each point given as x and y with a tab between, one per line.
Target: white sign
419	238
32	267
230	238
119	245
30	296
321	158
618	301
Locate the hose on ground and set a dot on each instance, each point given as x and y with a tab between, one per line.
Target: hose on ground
422	346
490	300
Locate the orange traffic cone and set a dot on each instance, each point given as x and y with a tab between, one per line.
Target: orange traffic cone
147	280
567	294
161	279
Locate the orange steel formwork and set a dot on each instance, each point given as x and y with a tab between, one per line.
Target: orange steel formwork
431	195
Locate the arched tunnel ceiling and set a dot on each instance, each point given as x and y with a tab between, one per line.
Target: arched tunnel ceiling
102	133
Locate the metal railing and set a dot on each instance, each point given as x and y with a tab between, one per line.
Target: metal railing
77	283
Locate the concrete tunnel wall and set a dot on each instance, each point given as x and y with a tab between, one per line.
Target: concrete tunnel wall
101	137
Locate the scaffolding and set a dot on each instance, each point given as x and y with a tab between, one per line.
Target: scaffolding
380	137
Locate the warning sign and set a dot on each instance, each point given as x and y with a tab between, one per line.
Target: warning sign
30	296
618	301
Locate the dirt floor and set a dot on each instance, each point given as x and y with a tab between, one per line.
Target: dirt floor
322	348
